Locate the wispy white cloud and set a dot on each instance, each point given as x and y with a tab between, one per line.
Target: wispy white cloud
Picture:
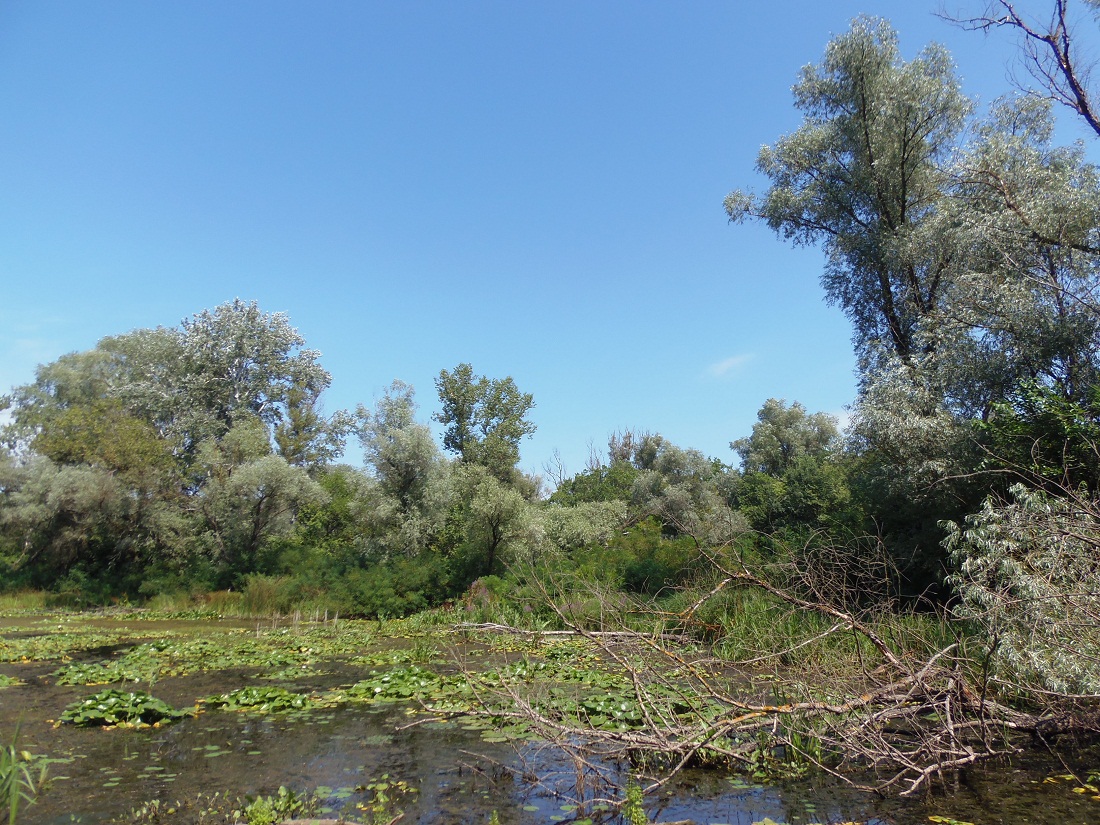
728	365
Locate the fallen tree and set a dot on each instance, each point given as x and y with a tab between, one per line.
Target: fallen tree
908	698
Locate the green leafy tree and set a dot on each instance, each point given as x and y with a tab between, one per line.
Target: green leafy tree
685	491
249	496
400	451
782	434
158	445
968	270
496	517
335	524
864	175
614	482
485	419
793	477
192	383
414	492
580	524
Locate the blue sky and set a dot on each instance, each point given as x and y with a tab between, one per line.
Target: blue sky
533	187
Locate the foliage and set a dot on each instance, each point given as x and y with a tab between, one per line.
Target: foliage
580	524
968	271
117	708
387	795
1025	571
632	811
685	491
259	700
155	449
606	482
495	517
22	776
270	810
1043	436
485	419
401	452
782	435
863	176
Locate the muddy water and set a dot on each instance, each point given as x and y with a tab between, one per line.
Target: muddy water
458	777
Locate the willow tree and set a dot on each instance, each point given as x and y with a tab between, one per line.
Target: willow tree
414	489
864	177
155	415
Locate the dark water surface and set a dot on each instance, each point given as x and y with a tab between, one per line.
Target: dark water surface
458	777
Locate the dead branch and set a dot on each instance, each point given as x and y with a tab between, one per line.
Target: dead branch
1050	55
907	717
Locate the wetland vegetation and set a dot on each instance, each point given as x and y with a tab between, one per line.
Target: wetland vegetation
434	718
902	607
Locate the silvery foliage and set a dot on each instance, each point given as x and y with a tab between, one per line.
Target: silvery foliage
249	494
681	488
560	529
1025	305
65	512
783	433
498	519
901	416
1026	572
414	489
400	451
190	382
979	246
863	175
1021	305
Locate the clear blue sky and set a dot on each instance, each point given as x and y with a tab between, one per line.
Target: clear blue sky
533	187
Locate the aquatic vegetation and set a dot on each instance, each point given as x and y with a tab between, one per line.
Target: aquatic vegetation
117	708
632	810
221	807
412	683
384	805
269	810
57	645
9	681
103	673
1089	786
259	700
21	778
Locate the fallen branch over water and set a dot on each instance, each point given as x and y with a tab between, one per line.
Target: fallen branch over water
902	717
610	635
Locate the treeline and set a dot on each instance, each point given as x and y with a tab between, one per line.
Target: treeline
195	458
963	246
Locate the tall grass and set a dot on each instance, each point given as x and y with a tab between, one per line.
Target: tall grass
748	625
23	600
19	784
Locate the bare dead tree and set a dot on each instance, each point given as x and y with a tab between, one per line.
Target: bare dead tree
1050	55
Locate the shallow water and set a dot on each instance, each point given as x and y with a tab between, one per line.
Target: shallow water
458	777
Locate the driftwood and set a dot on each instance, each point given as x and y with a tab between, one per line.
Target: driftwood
903	719
606	635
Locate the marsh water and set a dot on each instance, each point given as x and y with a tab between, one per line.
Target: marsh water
436	770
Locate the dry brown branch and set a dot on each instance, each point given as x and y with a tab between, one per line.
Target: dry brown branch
1050	55
907	714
